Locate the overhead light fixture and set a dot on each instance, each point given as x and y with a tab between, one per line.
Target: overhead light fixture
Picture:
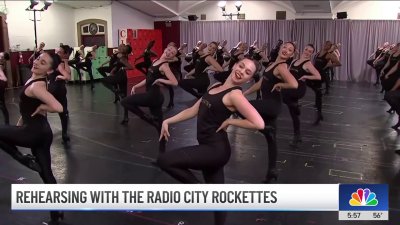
222	5
33	3
238	5
47	4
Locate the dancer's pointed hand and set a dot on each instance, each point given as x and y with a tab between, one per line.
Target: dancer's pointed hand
164	131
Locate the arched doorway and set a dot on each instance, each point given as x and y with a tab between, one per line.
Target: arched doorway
92	32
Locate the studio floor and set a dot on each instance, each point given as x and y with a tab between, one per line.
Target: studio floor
354	144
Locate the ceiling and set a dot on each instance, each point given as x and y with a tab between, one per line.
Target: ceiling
169	9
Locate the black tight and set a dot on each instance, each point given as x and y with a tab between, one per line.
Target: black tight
316	86
269	111
142	67
291	98
151	99
86	66
104	70
171	95
210	158
3	106
200	84
61	96
117	83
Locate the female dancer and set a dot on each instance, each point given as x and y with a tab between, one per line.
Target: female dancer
147	55
33	130
56	86
322	62
3	84
275	78
201	80
117	82
87	65
78	57
302	69
159	74
175	66
213	111
219	55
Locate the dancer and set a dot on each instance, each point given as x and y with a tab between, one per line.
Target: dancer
56	86
105	70
117	82
275	78
325	60
77	59
175	66
374	56
33	130
87	65
4	56
213	111
302	70
191	58
198	86
159	74
147	55
322	62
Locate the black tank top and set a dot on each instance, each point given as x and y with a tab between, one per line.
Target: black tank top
298	71
269	80
257	56
392	63
113	60
321	62
195	55
378	52
153	74
53	83
219	56
200	65
212	113
28	105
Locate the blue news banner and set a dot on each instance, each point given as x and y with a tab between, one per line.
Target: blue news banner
363	202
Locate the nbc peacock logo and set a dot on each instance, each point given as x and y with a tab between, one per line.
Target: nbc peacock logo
363	197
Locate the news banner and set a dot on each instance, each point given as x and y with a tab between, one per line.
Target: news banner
351	201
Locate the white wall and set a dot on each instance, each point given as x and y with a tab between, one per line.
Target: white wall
369	10
124	17
254	10
55	26
103	13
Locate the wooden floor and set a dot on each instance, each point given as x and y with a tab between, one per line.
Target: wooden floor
353	144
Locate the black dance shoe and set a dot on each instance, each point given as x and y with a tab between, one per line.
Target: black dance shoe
55	218
296	141
319	119
125	121
271	175
30	162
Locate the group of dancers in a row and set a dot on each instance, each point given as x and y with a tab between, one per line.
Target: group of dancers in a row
283	79
386	62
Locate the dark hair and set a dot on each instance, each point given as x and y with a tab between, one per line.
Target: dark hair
312	46
56	60
6	56
67	49
129	49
